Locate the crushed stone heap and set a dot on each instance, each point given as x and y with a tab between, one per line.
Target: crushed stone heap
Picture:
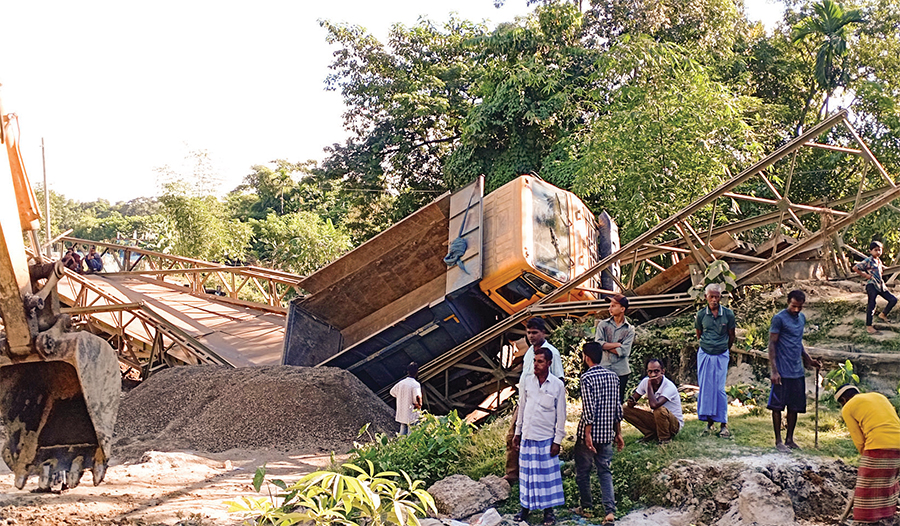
215	408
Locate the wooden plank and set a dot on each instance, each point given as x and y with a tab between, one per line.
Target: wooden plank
680	272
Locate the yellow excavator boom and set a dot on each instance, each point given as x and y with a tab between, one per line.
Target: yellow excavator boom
59	390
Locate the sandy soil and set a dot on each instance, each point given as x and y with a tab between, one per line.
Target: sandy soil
163	488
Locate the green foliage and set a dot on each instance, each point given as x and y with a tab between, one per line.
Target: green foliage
433	449
486	453
842	375
753	397
568	337
324	498
199	226
298	242
717	272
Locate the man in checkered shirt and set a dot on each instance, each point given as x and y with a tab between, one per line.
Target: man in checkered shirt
598	429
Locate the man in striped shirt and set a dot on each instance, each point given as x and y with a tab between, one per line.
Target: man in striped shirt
598	429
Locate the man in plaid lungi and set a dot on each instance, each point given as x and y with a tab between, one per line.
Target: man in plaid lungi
875	429
540	428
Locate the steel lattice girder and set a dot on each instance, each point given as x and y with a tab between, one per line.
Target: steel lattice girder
864	204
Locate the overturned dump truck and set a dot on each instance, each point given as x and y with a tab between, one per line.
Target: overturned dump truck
441	276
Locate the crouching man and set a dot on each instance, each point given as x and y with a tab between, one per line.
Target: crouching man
664	419
875	429
540	428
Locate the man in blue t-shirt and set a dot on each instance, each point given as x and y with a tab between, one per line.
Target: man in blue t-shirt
787	357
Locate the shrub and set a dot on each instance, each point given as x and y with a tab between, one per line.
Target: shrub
325	498
486	453
432	450
750	396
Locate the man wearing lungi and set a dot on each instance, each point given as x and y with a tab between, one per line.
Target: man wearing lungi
598	429
536	332
540	428
715	326
875	429
787	357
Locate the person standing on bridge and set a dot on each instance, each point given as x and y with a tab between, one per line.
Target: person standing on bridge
616	336
536	332
408	393
715	327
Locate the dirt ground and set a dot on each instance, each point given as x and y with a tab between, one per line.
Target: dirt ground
174	488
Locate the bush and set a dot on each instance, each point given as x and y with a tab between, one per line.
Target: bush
750	396
433	449
486	453
326	498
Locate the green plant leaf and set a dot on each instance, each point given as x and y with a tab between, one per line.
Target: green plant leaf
259	477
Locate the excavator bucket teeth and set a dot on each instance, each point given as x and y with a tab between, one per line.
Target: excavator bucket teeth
59	412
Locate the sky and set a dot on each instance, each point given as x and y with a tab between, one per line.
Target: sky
119	89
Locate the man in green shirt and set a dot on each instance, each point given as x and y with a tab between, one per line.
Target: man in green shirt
715	326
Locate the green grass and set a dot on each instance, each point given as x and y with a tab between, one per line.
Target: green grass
635	469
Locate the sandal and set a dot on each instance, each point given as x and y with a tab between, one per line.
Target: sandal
581	512
725	433
609	522
549	517
706	432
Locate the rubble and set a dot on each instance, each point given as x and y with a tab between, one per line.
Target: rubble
459	497
214	409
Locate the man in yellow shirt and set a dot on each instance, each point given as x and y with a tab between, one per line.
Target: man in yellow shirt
875	429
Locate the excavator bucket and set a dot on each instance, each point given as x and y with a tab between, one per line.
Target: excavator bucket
60	409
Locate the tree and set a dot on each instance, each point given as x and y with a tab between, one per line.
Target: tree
299	242
664	134
199	227
828	28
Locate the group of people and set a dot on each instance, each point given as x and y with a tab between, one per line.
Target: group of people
538	423
74	261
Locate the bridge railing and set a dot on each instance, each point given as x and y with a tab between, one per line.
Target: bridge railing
255	285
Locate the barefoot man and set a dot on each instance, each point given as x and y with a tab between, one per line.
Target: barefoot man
787	357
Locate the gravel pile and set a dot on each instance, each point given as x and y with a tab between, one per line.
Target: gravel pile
214	409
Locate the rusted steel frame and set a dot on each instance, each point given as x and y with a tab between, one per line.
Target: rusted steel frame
132	266
751	198
100	308
475	387
712	222
462	350
743	225
737	256
698	258
867	154
261	289
833	148
476	368
633	270
439	399
771	186
864	210
700	243
655	265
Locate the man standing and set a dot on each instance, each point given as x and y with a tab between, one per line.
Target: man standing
540	428
664	419
616	336
598	429
715	326
536	333
787	357
875	429
408	393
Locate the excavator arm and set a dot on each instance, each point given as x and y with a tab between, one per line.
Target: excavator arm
59	390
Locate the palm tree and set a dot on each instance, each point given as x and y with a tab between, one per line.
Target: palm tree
829	28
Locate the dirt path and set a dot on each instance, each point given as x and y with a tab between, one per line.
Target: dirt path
164	488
